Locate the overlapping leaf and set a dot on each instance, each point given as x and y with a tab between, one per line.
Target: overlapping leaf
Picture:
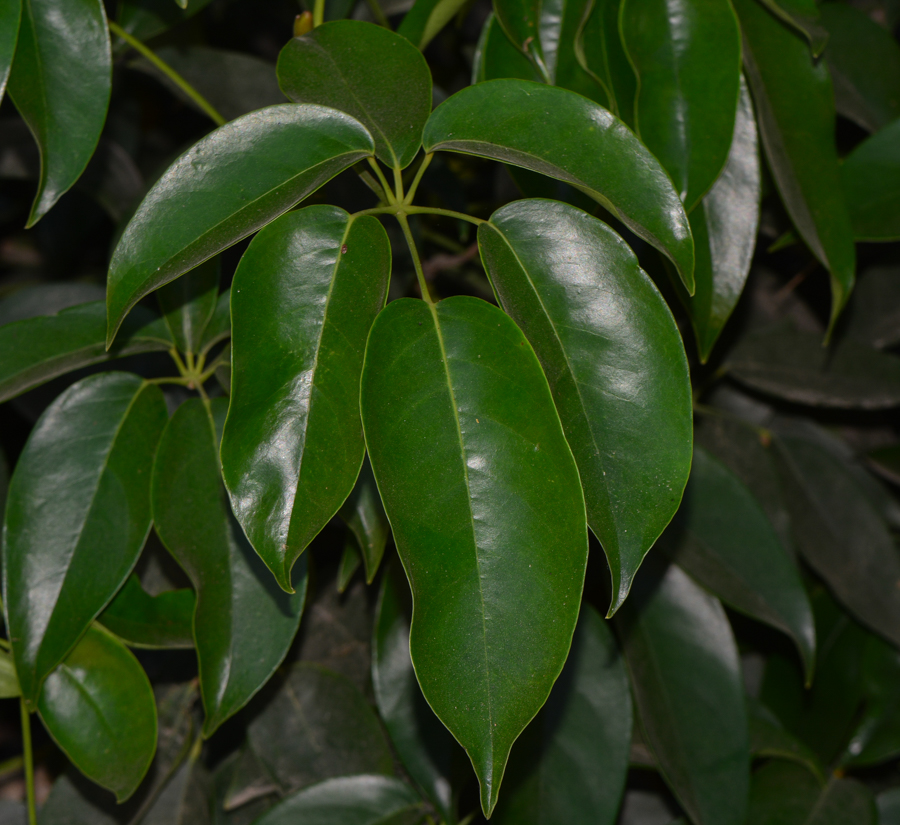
487	513
10	17
426	18
497	57
147	18
77	516
599	49
224	188
142	620
615	362
871	178
769	739
303	300
188	305
804	18
364	514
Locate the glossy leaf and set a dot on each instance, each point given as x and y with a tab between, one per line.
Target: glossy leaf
803	17
871	177
369	72
570	763
687	57
36	349
225	187
142	620
424	745
486	510
724	226
723	540
599	49
324	728
612	167
188	305
864	62
364	514
795	106
98	706
769	740
60	81
426	18
77	516
615	362
793	795
496	56
676	636
790	364
527	27
353	800
303	300
243	624
10	17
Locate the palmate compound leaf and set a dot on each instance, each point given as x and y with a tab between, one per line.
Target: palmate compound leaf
243	623
487	513
224	188
303	301
77	516
615	362
520	123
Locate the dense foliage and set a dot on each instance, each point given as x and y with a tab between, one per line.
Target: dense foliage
492	411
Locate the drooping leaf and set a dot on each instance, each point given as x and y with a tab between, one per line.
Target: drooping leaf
424	745
364	514
871	178
10	17
687	56
675	637
426	18
243	624
599	49
723	540
303	300
225	187
188	305
873	314
99	708
789	793
795	107
570	763
769	739
496	56
369	72
147	18
77	516
724	226
351	559
804	18
352	800
608	162
864	62
486	510
142	620
323	727
615	362
60	81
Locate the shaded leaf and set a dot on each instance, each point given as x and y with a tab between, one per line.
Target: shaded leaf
888	803
873	314
599	49
219	326
188	305
60	82
77	516
615	362
225	187
47	298
351	559
10	17
612	166
486	510
186	798
147	18
496	56
426	18
364	514
769	739
871	185
9	684
142	620
803	17
886	460
74	801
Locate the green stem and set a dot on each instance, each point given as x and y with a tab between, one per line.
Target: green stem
382	180
401	209
318	13
398	186
417	179
169	72
378	13
173	353
373	184
417	263
28	758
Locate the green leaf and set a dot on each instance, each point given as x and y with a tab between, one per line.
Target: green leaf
352	800
10	18
98	706
243	624
608	162
864	62
188	305
34	350
803	17
676	637
724	226
871	178
314	725
147	18
9	683
723	540
364	514
615	362
426	18
369	72
791	364
687	57
423	744
789	793
873	314
77	516
795	107
583	733
60	81
219	326
351	559
225	187
841	534
304	298
600	51
185	799
497	57
142	620
487	513
769	740
529	24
